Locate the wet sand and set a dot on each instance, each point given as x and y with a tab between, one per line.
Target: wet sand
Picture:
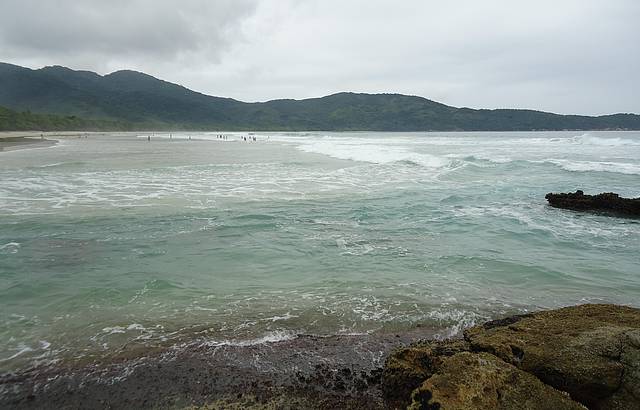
304	372
12	140
9	143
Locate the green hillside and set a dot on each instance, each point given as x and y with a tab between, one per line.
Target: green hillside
133	100
26	121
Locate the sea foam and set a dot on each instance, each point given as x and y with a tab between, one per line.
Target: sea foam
588	139
373	153
270	337
596	166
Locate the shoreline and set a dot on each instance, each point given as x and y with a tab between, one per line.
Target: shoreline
13	143
562	358
340	371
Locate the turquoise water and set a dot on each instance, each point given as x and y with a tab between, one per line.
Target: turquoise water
112	242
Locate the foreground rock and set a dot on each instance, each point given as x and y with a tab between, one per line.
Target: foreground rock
482	381
583	355
607	203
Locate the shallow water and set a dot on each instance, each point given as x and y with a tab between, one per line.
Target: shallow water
113	242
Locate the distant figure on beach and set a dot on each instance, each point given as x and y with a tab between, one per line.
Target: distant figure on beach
148	137
189	137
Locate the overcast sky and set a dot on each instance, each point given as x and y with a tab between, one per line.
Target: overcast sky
567	56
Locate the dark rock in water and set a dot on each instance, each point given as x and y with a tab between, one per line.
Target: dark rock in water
591	353
607	203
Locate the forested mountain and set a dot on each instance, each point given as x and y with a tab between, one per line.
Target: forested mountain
133	100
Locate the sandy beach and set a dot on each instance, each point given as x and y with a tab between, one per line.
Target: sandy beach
8	143
14	140
46	134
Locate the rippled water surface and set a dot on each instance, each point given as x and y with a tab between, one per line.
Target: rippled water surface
113	242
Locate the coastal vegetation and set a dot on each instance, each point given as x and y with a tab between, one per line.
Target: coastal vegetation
27	121
134	101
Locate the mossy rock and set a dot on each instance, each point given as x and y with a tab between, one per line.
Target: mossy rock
405	369
482	381
590	351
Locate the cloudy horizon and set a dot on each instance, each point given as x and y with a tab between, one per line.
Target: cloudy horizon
570	57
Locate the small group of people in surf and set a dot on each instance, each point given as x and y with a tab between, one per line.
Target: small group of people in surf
249	138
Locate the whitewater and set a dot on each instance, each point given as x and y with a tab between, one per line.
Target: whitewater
114	242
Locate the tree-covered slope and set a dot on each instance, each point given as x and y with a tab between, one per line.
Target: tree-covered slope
142	101
26	121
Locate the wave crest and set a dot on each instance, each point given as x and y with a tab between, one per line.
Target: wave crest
594	166
374	153
588	139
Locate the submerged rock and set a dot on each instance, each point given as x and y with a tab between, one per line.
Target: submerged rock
607	203
590	352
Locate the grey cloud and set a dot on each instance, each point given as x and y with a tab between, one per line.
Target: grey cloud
570	56
138	30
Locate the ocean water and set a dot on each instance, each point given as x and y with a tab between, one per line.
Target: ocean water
113	243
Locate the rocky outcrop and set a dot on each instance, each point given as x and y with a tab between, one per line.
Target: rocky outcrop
407	368
482	381
606	203
586	355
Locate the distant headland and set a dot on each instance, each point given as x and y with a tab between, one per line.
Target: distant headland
58	98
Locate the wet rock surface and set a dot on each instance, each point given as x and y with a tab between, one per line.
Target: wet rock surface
587	355
312	372
605	203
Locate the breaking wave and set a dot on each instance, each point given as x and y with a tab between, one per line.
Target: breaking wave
374	153
595	166
588	139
